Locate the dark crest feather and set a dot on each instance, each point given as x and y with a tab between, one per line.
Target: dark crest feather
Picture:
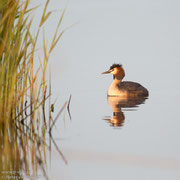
115	65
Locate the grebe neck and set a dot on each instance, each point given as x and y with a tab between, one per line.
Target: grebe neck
113	89
117	80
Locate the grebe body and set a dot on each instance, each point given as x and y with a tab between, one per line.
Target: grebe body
127	89
124	89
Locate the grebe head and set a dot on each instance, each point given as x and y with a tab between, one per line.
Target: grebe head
117	70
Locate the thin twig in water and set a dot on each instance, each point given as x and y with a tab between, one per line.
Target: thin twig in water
25	111
57	148
68	107
43	107
59	113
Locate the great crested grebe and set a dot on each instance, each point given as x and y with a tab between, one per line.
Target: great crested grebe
125	89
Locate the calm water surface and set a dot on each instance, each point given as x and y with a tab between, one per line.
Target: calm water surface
103	141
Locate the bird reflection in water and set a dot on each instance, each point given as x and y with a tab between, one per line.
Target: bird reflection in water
117	103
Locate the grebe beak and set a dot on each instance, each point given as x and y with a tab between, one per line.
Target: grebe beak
106	72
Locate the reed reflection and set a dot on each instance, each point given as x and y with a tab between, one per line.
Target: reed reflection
117	103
